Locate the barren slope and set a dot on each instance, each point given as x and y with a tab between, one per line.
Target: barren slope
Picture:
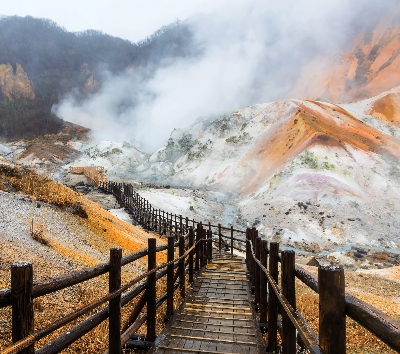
308	173
370	66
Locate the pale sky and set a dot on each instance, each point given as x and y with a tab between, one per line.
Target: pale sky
128	19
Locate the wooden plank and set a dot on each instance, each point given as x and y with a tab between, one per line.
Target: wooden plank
219	312
289	292
220	307
223	275
332	305
210	324
172	349
242	302
218	316
231	299
210	339
151	291
213	331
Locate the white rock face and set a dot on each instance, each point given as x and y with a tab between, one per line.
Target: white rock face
321	196
308	174
118	159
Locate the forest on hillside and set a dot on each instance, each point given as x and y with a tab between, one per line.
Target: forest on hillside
57	62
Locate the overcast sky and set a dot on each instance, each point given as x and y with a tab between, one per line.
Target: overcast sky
128	19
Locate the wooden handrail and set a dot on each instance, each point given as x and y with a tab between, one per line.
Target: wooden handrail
93	321
54	284
381	325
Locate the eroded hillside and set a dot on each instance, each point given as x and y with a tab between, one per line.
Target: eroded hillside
368	67
279	158
47	218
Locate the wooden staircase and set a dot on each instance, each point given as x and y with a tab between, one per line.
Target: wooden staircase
218	314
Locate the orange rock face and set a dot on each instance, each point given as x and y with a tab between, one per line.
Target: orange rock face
317	123
370	67
387	109
15	85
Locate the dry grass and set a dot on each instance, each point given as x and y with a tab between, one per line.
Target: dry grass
110	231
51	307
358	339
103	232
39	187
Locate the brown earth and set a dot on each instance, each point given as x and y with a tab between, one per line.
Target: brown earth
55	148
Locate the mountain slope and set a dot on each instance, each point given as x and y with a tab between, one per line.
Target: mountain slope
303	170
368	67
40	62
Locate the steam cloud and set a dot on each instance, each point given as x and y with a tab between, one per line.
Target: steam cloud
250	52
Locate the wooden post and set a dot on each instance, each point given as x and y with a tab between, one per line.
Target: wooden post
289	292
205	243
272	299
176	226
187	222
257	271
114	305
248	250
191	243
263	283
201	246
182	266
180	224
219	238
151	291
170	277
209	246
231	239
197	262
332	315
22	303
253	263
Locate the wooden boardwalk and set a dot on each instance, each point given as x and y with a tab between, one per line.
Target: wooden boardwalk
218	315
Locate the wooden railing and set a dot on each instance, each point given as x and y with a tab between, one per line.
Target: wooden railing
334	304
95	174
195	242
165	223
22	293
